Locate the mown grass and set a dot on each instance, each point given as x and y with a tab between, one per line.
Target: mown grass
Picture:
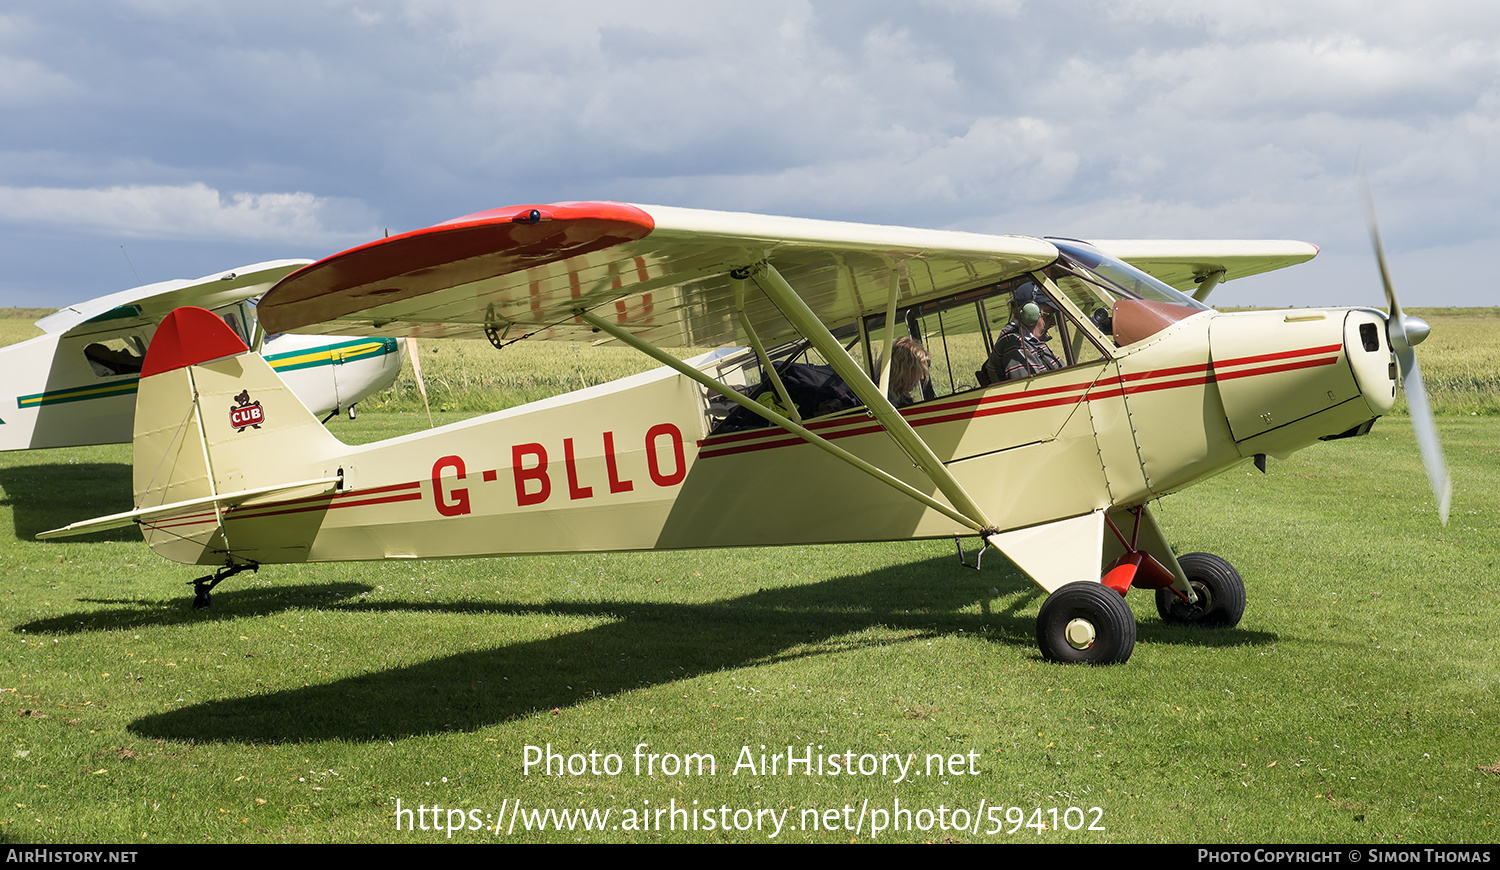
1355	703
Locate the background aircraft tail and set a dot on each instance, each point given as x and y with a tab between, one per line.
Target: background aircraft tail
215	427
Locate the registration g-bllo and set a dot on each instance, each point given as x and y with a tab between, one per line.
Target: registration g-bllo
867	383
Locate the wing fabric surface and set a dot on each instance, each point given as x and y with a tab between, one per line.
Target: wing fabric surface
1185	264
665	274
151	302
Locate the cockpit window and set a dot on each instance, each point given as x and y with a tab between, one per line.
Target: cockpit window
1005	331
1112	278
1121	300
122	355
811	384
240	317
1014	330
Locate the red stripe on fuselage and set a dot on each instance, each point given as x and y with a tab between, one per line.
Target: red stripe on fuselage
1288	354
942	411
375	495
958	410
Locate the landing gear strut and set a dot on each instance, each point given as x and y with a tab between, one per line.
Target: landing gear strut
203	585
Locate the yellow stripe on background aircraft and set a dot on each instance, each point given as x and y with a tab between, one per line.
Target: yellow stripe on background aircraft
76	384
870	383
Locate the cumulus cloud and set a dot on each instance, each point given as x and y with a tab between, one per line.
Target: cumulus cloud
193	212
1130	117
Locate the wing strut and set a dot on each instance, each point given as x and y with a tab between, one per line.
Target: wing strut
760	352
754	407
806	322
890	334
1207	283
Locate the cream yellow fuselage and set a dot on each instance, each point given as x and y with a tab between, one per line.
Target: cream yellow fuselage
631	465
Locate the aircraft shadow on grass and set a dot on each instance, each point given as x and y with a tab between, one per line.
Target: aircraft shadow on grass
52	494
169	611
646	644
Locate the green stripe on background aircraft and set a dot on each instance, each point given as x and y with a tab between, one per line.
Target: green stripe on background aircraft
76	384
869	383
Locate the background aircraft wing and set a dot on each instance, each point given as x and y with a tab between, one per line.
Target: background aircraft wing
151	302
1185	264
665	274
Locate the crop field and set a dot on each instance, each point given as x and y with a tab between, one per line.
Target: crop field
723	696
1460	364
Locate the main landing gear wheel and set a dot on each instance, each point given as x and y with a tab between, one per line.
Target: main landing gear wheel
1221	594
1086	623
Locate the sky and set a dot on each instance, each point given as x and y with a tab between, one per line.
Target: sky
152	139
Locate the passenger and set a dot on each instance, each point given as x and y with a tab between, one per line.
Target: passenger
1021	351
909	360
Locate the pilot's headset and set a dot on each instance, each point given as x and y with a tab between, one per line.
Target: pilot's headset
1028	304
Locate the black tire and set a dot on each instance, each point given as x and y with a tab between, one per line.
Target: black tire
1219	588
1101	611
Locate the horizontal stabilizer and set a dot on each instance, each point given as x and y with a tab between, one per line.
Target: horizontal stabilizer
1196	266
228	499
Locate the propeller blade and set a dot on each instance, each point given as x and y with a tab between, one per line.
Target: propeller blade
1403	332
1385	272
416	370
1426	429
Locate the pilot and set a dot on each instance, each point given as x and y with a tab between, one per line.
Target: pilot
909	360
1021	349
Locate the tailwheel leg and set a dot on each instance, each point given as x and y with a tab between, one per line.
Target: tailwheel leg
203	585
1086	623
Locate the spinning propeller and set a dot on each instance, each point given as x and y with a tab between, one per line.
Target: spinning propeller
1405	331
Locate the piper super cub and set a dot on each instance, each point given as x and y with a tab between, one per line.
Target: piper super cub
871	383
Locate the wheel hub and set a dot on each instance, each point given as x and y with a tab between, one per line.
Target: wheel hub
1080	634
1193	612
1205	598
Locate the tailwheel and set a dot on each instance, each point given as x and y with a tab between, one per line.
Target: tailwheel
1220	591
1086	623
204	585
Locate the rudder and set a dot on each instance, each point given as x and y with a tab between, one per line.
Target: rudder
213	418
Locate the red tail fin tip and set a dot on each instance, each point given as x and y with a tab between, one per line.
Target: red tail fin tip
187	337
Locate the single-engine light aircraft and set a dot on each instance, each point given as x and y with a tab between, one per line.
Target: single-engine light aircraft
76	384
869	383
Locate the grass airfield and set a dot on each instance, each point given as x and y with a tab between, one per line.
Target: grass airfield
1356	702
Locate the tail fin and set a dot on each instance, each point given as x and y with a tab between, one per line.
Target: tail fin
214	421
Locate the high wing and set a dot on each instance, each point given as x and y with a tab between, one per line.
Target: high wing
151	302
76	383
670	276
1196	267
